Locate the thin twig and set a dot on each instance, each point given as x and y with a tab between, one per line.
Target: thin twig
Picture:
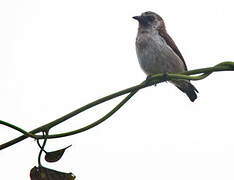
157	78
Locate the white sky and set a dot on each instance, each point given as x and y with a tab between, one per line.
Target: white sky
56	56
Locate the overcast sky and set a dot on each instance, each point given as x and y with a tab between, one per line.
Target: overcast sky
56	56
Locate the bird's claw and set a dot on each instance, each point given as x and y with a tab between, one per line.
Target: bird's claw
147	80
165	77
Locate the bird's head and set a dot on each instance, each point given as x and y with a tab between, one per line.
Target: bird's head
150	20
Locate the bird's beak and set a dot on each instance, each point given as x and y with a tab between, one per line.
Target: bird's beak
141	19
138	18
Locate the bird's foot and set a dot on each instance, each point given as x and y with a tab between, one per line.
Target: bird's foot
165	77
147	80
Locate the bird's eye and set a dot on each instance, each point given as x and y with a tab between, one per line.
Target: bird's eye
150	18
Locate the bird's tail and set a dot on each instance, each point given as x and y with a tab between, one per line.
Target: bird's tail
186	87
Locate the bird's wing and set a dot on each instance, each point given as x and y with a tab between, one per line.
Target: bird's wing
172	44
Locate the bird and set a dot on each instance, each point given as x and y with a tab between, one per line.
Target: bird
157	52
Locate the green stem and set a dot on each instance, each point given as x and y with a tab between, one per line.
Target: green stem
18	129
42	147
96	122
224	66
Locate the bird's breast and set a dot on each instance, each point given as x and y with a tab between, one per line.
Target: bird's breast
155	56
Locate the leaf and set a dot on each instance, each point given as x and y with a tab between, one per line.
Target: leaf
42	173
55	155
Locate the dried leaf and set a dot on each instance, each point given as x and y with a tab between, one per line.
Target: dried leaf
55	155
42	173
